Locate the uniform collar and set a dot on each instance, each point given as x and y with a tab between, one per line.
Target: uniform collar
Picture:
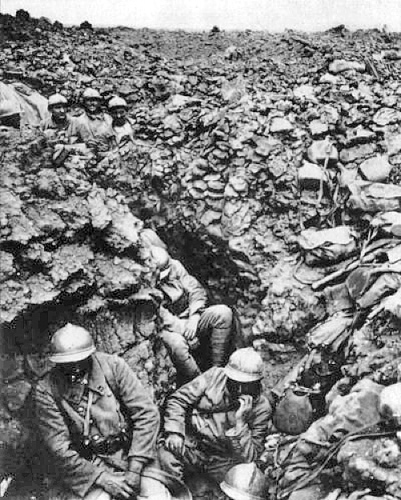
96	383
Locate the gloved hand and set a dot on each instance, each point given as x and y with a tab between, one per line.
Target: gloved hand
116	484
176	444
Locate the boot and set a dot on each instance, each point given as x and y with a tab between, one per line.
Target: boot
220	345
186	370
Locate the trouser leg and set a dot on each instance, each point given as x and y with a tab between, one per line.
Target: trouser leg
216	324
182	359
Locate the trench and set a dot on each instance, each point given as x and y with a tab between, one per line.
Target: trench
222	140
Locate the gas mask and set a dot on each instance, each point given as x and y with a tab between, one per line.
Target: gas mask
75	372
237	389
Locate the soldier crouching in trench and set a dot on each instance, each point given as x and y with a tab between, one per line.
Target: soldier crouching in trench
98	424
218	420
188	324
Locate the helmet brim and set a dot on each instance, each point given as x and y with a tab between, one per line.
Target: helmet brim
236	494
240	376
72	357
178	490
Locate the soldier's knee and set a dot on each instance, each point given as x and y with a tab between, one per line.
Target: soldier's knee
222	313
175	342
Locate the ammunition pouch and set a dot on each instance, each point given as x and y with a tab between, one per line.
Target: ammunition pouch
110	445
89	447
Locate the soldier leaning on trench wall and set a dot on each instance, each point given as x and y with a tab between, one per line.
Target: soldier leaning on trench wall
187	322
98	424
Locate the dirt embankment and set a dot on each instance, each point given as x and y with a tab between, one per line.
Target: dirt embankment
244	140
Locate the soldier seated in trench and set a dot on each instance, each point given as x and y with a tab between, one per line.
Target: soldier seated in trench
187	322
56	125
218	420
96	420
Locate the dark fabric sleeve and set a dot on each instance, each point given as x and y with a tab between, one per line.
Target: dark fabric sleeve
76	472
142	411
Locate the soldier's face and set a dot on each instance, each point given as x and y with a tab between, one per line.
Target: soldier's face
75	372
92	105
119	116
59	112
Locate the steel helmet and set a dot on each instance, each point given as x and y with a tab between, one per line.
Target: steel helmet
245	482
159	485
56	99
390	403
91	94
117	102
9	108
71	343
155	485
245	365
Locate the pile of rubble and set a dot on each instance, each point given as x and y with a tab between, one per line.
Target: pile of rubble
71	251
270	164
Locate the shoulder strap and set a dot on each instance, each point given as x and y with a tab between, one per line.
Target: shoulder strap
88	415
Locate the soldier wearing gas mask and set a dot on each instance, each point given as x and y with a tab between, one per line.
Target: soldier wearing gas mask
217	420
96	420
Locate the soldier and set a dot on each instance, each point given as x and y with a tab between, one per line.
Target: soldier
93	127
95	418
58	121
186	319
217	420
121	124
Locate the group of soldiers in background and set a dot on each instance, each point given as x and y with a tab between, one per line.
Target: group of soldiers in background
97	129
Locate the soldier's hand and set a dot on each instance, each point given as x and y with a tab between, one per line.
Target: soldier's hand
176	444
134	480
191	327
115	484
245	407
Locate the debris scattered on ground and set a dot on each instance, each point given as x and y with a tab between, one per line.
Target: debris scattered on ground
251	151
